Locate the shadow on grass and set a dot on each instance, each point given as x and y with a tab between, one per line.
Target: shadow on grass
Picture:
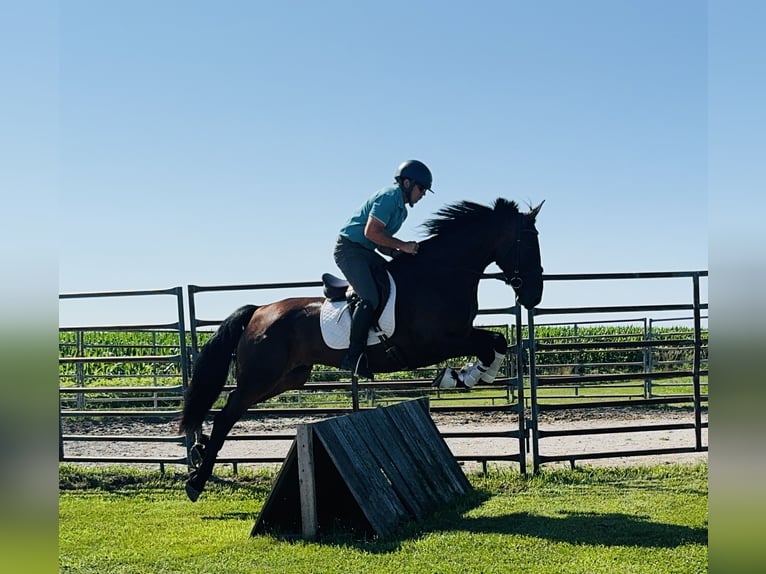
612	529
577	528
356	532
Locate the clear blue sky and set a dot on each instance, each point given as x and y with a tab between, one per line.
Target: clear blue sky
225	143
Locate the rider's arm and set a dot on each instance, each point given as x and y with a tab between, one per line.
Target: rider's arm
376	232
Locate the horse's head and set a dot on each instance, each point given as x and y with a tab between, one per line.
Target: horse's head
518	253
476	235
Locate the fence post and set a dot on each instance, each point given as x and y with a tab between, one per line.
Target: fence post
648	358
182	348
154	367
61	433
191	290
188	354
80	368
697	362
520	390
533	390
580	365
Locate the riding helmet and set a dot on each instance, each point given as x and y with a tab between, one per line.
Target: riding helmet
415	171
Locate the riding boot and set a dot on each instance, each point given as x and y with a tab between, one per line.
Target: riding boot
355	359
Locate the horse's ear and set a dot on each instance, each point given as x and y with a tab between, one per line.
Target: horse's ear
536	210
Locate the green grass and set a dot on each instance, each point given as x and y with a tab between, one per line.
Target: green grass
627	520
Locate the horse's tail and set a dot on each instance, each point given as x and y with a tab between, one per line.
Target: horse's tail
212	367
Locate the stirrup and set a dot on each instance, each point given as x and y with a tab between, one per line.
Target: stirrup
360	369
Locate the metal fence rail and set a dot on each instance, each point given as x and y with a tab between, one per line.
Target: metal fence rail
540	376
80	362
648	374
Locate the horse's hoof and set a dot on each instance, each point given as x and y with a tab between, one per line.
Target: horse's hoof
192	492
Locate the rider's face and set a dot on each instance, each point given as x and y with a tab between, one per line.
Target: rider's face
417	194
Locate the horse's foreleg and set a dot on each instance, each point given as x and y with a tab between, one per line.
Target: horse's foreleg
491	354
488	346
490	371
222	424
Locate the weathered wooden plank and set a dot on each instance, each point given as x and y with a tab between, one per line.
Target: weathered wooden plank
437	445
419	473
432	467
304	441
395	462
426	469
367	484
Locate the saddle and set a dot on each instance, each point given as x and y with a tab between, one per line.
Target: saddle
336	289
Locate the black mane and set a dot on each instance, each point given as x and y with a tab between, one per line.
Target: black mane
467	213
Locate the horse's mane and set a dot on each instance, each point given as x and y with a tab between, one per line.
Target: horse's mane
467	213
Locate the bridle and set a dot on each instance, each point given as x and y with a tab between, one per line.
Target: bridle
516	281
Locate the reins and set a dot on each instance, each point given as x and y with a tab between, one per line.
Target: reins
516	281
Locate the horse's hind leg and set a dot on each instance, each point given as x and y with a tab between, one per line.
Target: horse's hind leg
236	406
197	451
222	424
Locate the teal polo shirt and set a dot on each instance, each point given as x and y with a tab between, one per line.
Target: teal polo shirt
387	206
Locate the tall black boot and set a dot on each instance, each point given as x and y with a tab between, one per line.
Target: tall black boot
355	359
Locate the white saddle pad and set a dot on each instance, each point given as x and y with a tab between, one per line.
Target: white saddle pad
335	321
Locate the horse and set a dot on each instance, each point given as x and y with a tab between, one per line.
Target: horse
275	346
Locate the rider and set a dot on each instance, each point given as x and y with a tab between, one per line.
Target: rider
372	227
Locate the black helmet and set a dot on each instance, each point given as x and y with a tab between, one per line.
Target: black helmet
415	171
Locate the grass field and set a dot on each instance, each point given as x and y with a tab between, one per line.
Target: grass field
605	520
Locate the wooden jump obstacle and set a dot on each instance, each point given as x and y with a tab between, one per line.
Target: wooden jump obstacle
365	472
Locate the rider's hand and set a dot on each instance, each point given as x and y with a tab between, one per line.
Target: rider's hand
410	247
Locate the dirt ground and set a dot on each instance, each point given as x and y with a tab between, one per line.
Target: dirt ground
458	422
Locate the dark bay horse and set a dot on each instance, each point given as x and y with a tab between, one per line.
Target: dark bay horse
275	346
